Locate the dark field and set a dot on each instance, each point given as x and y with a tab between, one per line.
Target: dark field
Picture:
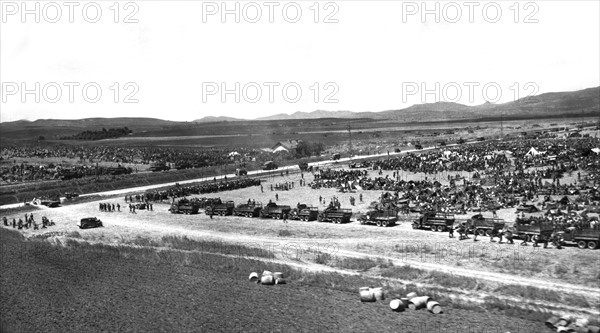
83	287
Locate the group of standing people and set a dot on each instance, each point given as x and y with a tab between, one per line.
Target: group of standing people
28	223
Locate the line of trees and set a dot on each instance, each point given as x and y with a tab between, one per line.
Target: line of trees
99	135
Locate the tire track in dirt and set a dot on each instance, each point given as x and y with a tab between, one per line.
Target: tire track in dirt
500	278
456	294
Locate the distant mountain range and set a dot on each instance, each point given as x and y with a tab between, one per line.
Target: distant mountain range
545	105
560	104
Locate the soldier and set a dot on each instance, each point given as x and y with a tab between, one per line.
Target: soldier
113	207
118	207
211	212
151	206
20	224
285	216
450	232
276	197
100	206
5	220
14	224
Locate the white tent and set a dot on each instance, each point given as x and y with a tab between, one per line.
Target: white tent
533	152
280	148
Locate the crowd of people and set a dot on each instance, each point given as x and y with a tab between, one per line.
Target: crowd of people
28	223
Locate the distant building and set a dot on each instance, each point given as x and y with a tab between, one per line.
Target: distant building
287	145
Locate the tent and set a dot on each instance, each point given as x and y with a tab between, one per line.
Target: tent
532	152
596	150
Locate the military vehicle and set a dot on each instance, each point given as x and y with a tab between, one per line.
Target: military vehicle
304	213
381	218
223	209
435	221
269	165
589	238
250	209
185	206
119	170
159	166
484	225
274	210
335	215
529	231
89	222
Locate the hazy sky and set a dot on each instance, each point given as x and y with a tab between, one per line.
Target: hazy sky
174	59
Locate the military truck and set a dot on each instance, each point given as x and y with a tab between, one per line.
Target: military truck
335	215
89	222
303	166
436	221
251	209
274	211
224	208
381	218
185	206
269	165
589	238
180	165
118	170
159	166
529	232
484	225
207	202
304	213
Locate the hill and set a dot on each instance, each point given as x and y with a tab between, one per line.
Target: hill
55	128
213	119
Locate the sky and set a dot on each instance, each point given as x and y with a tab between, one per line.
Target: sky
184	60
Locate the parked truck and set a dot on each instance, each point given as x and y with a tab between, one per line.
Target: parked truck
381	218
335	215
159	166
274	211
529	232
185	206
436	221
223	209
589	238
304	213
250	209
484	225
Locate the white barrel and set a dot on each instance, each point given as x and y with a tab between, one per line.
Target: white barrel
278	275
418	302
593	329
267	279
279	281
562	329
582	322
366	295
434	307
378	293
411	295
253	277
397	305
267	273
